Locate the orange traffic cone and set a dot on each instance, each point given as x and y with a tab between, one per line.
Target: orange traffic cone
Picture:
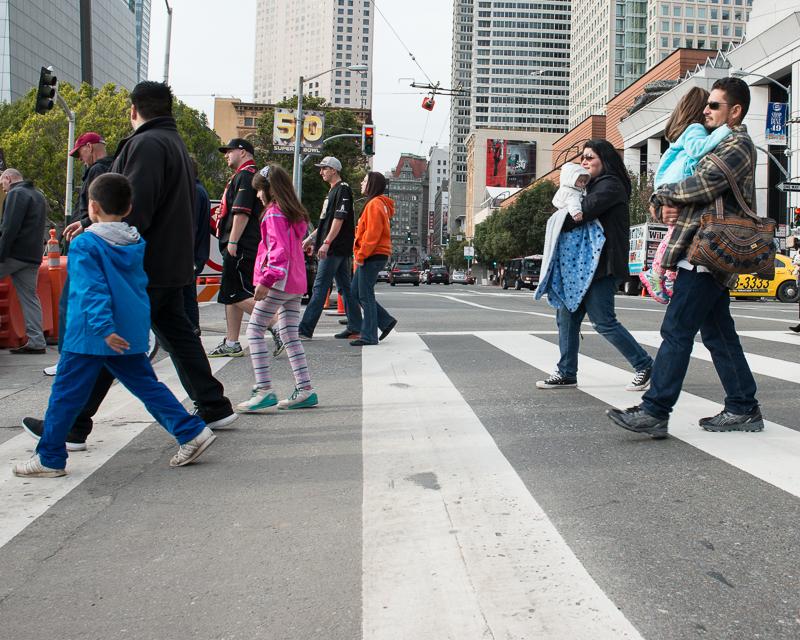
56	272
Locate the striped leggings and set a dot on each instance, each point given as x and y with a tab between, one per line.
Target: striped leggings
287	305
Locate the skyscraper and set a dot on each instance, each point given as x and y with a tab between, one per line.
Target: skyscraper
307	37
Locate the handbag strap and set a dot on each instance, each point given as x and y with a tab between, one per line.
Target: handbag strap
734	187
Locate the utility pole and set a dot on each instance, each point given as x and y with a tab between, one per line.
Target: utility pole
169	38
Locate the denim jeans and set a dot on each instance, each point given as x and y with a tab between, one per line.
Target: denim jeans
598	303
699	303
330	267
375	316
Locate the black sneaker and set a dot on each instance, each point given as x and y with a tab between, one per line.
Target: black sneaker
641	380
347	335
35	428
727	421
557	381
387	330
795	328
637	420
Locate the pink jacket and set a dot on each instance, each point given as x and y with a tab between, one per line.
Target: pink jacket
280	263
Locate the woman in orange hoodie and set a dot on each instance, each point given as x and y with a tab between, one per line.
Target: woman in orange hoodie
371	250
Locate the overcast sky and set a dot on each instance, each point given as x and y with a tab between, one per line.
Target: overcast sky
212	53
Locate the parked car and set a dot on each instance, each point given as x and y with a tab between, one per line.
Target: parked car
438	275
522	272
459	277
383	275
404	273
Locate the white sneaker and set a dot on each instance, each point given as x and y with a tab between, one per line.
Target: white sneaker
50	371
260	399
34	468
300	399
190	451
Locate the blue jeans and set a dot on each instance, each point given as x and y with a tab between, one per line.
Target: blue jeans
599	304
375	316
330	267
74	382
699	303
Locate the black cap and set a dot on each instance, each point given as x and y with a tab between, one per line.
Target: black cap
238	143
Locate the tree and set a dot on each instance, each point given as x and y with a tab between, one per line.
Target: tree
37	144
641	190
347	150
454	254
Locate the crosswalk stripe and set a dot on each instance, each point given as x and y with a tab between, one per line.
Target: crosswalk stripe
121	418
771	456
454	544
763	365
786	337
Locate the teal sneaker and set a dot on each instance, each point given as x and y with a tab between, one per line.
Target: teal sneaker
260	399
300	399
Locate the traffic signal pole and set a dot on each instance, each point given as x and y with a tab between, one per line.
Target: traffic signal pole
70	142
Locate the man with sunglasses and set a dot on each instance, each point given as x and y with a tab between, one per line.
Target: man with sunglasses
701	299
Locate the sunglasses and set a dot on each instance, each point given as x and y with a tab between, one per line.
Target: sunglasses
588	158
713	105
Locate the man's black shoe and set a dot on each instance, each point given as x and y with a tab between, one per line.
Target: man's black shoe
347	335
387	330
557	381
635	419
25	349
35	428
727	421
795	328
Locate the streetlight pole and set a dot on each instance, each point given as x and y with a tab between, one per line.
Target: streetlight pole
169	38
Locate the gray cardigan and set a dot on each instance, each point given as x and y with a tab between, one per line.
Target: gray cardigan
23	225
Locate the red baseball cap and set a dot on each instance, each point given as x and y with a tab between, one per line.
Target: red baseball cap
90	137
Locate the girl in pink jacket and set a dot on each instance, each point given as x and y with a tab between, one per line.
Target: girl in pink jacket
280	281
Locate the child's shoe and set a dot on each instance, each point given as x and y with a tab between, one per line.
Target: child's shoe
669	283
34	468
190	451
652	282
300	399
260	399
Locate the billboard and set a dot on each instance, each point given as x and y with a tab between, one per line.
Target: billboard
776	123
284	128
510	163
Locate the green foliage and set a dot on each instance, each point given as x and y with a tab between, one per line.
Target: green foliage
454	254
517	230
37	144
642	189
347	150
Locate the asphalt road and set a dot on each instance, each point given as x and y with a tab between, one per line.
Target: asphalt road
434	493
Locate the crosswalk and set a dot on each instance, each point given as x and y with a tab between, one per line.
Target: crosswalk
460	538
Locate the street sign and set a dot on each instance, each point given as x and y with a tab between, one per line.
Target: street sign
789	186
469	252
284	130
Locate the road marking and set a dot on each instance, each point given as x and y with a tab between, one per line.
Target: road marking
785	337
771	456
482	306
121	418
454	544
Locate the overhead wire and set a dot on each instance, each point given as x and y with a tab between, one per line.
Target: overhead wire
400	40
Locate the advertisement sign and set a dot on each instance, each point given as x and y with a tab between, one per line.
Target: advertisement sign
510	163
284	129
644	240
776	123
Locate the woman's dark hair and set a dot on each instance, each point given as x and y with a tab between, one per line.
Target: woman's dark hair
376	185
612	163
278	188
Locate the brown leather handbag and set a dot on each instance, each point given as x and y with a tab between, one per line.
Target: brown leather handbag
743	243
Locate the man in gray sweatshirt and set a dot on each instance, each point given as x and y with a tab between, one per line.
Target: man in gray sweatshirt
21	249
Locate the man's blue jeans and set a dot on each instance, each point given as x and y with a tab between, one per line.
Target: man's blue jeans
599	304
375	316
330	267
699	303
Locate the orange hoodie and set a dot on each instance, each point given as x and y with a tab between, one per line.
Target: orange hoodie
374	233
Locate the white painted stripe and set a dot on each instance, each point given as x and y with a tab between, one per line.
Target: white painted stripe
121	418
771	456
482	306
455	547
763	365
789	338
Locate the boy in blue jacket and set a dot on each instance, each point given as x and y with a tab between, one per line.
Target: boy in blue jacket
108	324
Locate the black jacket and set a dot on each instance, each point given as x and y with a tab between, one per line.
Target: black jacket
155	160
607	200
101	166
338	206
24	220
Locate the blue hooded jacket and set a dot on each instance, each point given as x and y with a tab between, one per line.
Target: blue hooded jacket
107	293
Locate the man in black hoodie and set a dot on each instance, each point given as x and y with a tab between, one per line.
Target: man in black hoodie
155	160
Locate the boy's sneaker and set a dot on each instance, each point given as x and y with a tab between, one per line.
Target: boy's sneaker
557	381
222	350
641	380
50	371
34	468
279	346
260	399
35	428
652	282
190	451
300	399
726	421
638	420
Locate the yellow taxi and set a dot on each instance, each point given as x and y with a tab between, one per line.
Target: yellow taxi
783	286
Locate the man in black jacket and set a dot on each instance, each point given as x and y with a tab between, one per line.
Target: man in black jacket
90	148
21	244
155	160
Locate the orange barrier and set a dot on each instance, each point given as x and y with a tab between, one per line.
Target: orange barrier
12	329
57	274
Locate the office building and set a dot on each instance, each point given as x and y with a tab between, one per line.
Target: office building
437	174
405	184
93	41
308	37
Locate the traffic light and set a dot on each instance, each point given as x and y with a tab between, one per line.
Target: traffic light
428	103
46	95
797	217
368	140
